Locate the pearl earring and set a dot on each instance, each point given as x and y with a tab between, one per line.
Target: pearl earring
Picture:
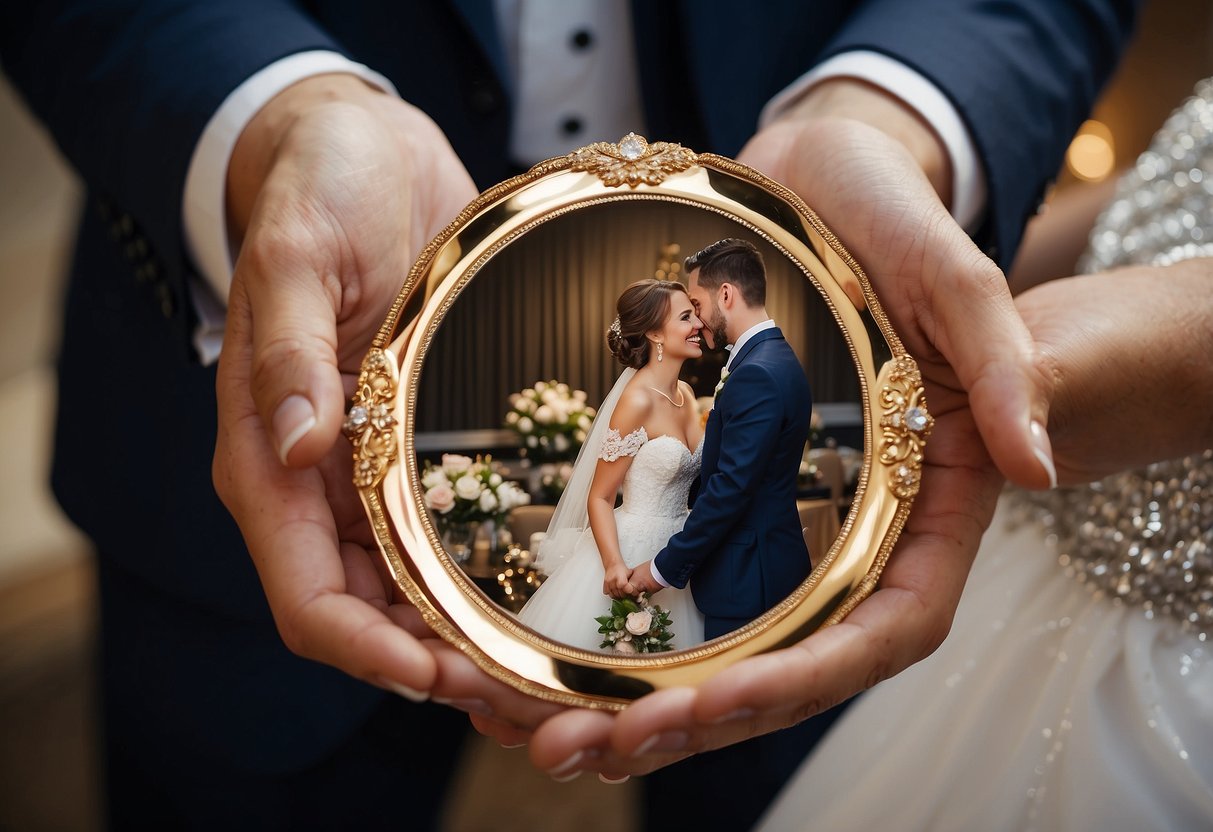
660	351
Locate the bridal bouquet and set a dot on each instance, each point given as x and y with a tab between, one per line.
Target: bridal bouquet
551	419
635	626
461	490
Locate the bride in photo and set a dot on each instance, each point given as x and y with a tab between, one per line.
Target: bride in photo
647	440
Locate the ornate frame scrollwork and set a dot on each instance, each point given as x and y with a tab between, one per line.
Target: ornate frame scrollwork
905	425
370	423
381	422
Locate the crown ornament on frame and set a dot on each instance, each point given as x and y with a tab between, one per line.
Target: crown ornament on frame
632	161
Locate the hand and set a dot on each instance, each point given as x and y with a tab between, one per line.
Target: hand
1124	347
642	578
986	385
617	582
334	188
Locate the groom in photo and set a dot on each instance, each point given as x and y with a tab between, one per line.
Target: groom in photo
742	548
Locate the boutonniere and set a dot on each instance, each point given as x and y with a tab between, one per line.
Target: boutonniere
724	376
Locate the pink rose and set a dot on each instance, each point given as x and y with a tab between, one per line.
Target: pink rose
440	498
638	623
625	647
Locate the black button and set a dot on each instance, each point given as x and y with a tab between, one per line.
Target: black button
582	39
571	125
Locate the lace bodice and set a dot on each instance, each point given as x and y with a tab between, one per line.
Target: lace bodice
659	481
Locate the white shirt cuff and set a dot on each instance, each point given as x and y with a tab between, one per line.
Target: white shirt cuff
657	576
921	95
203	210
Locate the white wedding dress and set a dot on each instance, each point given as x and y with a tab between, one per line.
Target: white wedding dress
1075	691
654	508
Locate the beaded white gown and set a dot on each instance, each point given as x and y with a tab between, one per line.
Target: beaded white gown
1075	691
654	509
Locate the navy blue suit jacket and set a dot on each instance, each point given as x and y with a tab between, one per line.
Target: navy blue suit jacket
126	88
742	548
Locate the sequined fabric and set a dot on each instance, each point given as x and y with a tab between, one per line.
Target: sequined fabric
1146	537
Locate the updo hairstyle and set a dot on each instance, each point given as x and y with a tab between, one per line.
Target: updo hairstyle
642	308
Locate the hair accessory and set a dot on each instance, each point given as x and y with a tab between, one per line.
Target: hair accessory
615	328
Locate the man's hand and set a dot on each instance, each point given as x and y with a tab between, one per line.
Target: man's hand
986	385
642	579
333	189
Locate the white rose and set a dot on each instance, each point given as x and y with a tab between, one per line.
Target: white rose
584	422
579	435
638	623
511	418
514	399
495	480
525	406
488	502
579	395
468	487
505	499
562	389
526	425
625	647
434	477
531	442
455	464
440	498
548	396
562	443
540	386
589	411
518	497
544	415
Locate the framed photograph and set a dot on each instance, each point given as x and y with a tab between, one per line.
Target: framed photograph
481	395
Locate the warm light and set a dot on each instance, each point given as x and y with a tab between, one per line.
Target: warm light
1091	155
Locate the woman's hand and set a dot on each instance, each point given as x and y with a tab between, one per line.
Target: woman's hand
616	582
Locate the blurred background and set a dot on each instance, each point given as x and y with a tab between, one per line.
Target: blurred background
49	777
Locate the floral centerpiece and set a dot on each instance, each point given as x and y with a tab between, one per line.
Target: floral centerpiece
635	625
552	420
462	492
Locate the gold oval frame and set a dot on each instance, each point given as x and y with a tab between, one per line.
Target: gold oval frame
385	407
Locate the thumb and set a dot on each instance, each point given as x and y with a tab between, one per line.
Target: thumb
294	380
982	336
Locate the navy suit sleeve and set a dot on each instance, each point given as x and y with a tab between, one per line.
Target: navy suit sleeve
1022	75
127	86
749	435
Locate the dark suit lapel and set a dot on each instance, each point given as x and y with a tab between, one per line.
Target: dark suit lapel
748	346
482	23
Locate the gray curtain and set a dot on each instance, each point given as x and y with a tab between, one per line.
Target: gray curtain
540	309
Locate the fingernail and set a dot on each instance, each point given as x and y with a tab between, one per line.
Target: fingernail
403	690
614	781
512	745
740	713
292	420
665	741
562	770
1042	449
470	706
565	778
